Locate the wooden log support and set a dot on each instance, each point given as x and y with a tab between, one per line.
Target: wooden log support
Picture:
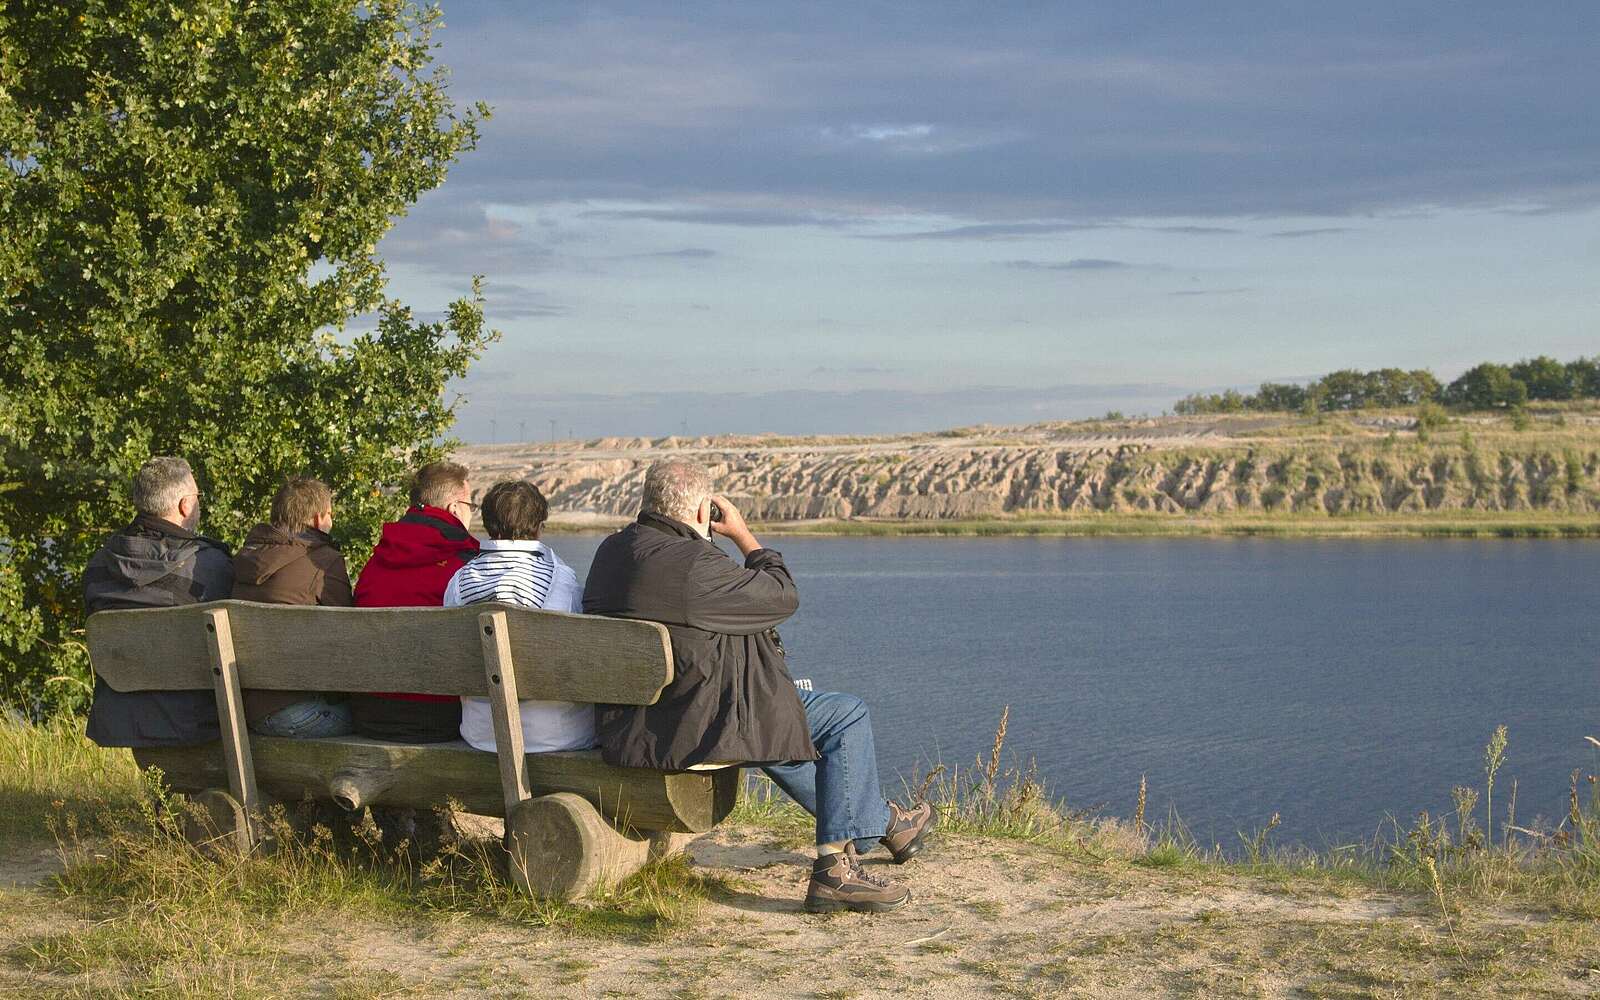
424	776
503	707
230	715
561	848
216	823
664	844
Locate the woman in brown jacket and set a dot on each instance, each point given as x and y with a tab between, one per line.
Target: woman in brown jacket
293	561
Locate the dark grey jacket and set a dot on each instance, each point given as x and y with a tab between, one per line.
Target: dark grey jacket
154	564
731	696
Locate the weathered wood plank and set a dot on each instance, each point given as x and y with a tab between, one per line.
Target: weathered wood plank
425	776
230	715
558	656
503	707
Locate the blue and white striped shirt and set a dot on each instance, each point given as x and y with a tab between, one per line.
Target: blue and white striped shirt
529	574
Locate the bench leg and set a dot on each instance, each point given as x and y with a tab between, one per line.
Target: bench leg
560	847
215	822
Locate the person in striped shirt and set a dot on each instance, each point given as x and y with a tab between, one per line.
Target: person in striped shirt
516	567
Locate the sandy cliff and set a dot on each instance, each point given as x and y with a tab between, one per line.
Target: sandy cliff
1379	465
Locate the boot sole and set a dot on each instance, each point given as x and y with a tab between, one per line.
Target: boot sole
865	906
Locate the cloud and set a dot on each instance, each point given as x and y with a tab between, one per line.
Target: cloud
449	235
882	133
1295	234
506	300
1196	230
1211	291
1076	264
755	217
687	253
989	231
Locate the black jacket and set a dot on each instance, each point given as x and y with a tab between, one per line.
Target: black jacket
153	563
731	696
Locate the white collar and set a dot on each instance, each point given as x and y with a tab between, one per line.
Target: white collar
511	545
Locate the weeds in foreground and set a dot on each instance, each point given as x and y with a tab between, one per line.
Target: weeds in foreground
50	767
316	860
1558	869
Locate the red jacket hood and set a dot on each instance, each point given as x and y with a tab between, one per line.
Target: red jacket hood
415	559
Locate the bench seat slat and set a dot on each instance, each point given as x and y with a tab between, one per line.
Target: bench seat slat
425	776
558	656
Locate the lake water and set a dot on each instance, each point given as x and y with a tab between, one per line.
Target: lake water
1334	682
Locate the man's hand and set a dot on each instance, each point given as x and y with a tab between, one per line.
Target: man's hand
732	526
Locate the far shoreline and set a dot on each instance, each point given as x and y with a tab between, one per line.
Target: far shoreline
1456	525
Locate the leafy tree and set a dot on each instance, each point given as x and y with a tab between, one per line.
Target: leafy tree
1425	388
1346	389
1485	387
1545	377
1584	376
192	196
1275	397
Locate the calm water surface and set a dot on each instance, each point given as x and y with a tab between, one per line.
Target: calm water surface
1333	682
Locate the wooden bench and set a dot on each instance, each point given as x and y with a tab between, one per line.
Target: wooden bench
572	821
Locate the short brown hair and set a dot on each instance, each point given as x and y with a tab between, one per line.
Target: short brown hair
436	483
514	510
298	503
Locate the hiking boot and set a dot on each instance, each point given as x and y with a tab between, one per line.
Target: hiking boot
907	830
838	883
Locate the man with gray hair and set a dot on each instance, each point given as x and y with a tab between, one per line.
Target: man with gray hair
731	698
158	561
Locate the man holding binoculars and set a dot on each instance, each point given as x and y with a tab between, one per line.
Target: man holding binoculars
732	698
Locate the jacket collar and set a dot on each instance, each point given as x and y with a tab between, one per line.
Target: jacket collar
511	545
161	526
439	518
149	524
670	525
314	537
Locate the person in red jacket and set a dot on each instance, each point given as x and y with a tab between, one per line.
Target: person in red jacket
411	567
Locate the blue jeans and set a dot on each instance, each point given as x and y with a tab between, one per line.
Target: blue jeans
840	790
311	719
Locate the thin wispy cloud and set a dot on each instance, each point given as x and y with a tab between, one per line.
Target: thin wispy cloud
686	253
1198	230
1188	292
885	133
1295	234
755	217
987	231
1075	264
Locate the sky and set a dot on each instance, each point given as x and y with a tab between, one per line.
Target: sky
888	217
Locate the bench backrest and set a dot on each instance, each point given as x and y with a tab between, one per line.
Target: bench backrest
557	656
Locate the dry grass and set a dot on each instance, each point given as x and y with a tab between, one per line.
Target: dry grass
49	769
